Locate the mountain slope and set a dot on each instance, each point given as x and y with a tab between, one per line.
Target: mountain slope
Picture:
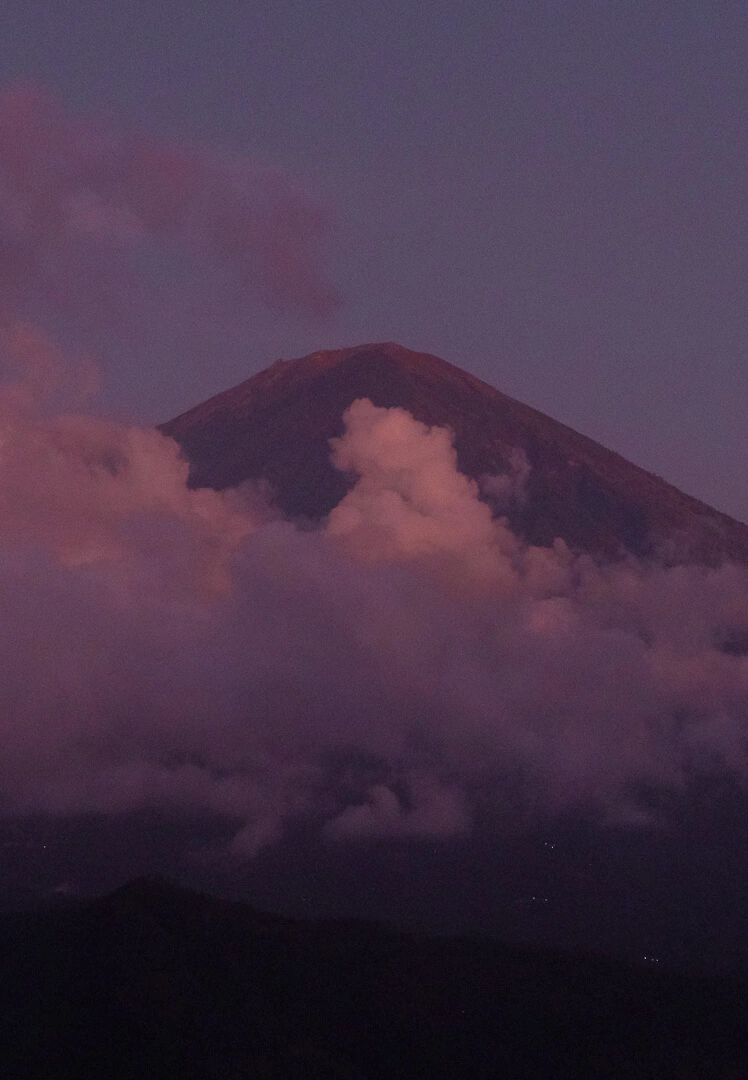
277	425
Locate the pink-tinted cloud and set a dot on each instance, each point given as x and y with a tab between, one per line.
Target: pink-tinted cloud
387	675
410	500
431	810
35	372
83	490
78	199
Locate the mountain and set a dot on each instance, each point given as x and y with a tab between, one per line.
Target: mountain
157	981
276	427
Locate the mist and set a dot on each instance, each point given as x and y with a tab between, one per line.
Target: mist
384	675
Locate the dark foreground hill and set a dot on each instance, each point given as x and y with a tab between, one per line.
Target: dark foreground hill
155	981
276	427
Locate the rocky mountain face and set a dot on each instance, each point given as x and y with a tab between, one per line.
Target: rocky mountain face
157	981
276	428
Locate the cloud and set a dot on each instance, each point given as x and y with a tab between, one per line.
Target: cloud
404	671
83	206
87	491
36	372
409	500
502	490
432	811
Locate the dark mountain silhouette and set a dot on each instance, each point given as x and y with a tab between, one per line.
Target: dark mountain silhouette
276	427
157	981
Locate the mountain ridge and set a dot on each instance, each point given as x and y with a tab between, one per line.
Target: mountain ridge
158	980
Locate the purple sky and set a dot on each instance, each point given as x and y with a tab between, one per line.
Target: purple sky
552	196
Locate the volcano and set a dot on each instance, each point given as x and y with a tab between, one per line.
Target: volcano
275	428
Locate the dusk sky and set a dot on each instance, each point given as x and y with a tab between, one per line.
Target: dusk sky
552	196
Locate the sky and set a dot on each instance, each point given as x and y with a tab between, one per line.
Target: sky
549	195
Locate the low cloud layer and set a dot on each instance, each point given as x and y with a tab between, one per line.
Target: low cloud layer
406	668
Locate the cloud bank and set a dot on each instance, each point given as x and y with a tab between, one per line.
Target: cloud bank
409	666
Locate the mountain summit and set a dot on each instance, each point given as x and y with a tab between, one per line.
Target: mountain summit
276	427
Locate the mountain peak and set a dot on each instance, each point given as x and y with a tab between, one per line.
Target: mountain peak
276	427
390	349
